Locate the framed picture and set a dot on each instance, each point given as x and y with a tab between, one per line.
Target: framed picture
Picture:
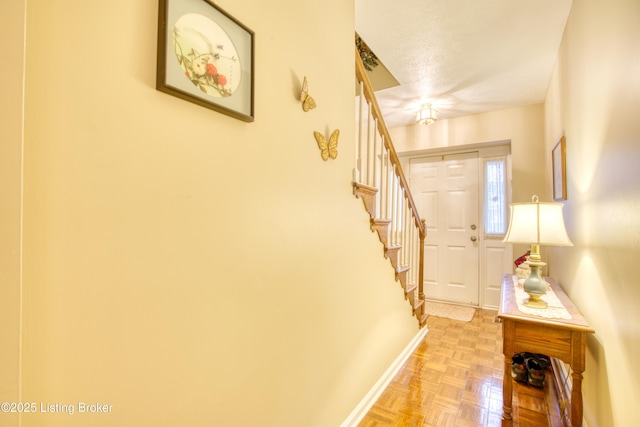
206	56
558	157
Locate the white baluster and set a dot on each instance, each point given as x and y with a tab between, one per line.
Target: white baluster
359	145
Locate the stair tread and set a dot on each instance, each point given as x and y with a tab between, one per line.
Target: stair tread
365	187
381	221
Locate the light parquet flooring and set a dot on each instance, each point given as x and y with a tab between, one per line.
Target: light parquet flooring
454	379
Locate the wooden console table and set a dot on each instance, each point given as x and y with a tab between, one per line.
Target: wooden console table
561	338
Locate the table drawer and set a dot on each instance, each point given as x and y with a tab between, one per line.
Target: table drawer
537	338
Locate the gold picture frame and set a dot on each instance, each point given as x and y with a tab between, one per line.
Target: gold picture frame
559	162
205	56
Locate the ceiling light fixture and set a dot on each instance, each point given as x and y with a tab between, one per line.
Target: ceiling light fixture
426	115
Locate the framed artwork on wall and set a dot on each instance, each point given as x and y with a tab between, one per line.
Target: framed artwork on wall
559	162
205	56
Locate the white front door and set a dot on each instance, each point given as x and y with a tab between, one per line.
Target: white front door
445	189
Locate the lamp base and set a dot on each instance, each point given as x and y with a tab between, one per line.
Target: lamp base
534	301
535	286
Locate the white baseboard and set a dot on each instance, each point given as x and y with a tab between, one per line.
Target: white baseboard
372	396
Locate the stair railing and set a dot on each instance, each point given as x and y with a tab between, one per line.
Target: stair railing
379	180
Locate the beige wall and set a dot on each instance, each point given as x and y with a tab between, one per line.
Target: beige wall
593	100
11	116
185	267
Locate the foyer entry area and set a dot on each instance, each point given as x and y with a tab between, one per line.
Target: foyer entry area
454	379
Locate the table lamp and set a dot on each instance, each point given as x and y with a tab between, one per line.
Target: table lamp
536	224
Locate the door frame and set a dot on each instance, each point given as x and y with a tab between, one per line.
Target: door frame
488	287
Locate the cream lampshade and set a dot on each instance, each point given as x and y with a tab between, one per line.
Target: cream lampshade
536	224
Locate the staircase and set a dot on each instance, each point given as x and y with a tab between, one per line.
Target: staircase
378	180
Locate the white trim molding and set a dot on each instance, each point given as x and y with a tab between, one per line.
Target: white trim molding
372	396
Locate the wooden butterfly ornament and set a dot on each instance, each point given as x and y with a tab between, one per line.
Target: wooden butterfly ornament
330	148
308	103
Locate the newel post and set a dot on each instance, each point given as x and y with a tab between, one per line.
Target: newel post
423	235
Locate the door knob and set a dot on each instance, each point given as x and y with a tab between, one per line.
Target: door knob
473	226
474	238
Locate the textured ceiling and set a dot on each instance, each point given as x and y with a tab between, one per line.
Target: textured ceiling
462	56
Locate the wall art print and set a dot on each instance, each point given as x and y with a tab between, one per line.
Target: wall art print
559	166
206	56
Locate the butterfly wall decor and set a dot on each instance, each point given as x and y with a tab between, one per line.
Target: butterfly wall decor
330	148
308	103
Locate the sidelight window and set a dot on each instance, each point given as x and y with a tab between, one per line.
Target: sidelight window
495	197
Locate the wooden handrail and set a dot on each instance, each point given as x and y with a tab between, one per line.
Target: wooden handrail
382	128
